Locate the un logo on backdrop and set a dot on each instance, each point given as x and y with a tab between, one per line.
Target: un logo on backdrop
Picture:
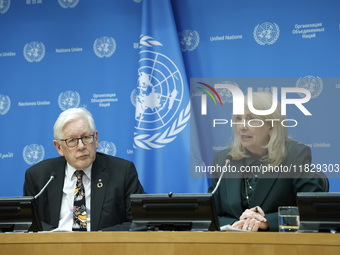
225	93
5	104
311	83
266	33
107	148
33	153
4	6
34	51
189	40
68	3
158	99
104	46
68	99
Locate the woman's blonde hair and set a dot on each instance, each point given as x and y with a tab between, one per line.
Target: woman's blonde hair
276	150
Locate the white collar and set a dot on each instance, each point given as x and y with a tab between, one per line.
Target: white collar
70	171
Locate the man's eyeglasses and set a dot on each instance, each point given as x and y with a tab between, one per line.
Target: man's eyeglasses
73	142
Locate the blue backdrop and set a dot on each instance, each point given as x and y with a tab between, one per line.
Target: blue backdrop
130	63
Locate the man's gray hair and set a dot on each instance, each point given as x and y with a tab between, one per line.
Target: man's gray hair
71	115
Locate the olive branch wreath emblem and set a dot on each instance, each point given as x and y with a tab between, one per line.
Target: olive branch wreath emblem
160	139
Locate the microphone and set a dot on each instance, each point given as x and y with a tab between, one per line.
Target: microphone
52	177
227	162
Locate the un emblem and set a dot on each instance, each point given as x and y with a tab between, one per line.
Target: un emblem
104	47
133	97
189	40
33	154
4	6
159	91
311	83
107	148
68	99
5	104
225	93
160	115
266	33
68	3
34	51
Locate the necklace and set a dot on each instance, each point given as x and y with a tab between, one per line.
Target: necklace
246	186
246	180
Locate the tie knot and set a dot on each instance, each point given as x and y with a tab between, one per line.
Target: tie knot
79	173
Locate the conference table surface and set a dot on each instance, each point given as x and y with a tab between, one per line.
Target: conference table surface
169	243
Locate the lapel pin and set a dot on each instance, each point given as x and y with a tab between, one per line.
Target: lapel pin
99	184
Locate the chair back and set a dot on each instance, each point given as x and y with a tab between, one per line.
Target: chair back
323	180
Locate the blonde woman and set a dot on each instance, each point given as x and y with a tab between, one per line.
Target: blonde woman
264	159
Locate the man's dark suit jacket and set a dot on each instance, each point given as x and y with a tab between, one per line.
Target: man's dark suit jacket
269	193
110	204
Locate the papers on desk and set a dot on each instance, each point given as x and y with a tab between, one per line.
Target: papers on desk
60	230
55	230
232	229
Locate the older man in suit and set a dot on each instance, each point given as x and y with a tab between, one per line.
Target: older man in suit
106	182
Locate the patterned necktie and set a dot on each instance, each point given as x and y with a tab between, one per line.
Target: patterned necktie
79	207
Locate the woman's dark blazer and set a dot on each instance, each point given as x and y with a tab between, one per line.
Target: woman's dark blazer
279	189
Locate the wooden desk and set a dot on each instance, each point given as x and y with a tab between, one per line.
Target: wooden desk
101	243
